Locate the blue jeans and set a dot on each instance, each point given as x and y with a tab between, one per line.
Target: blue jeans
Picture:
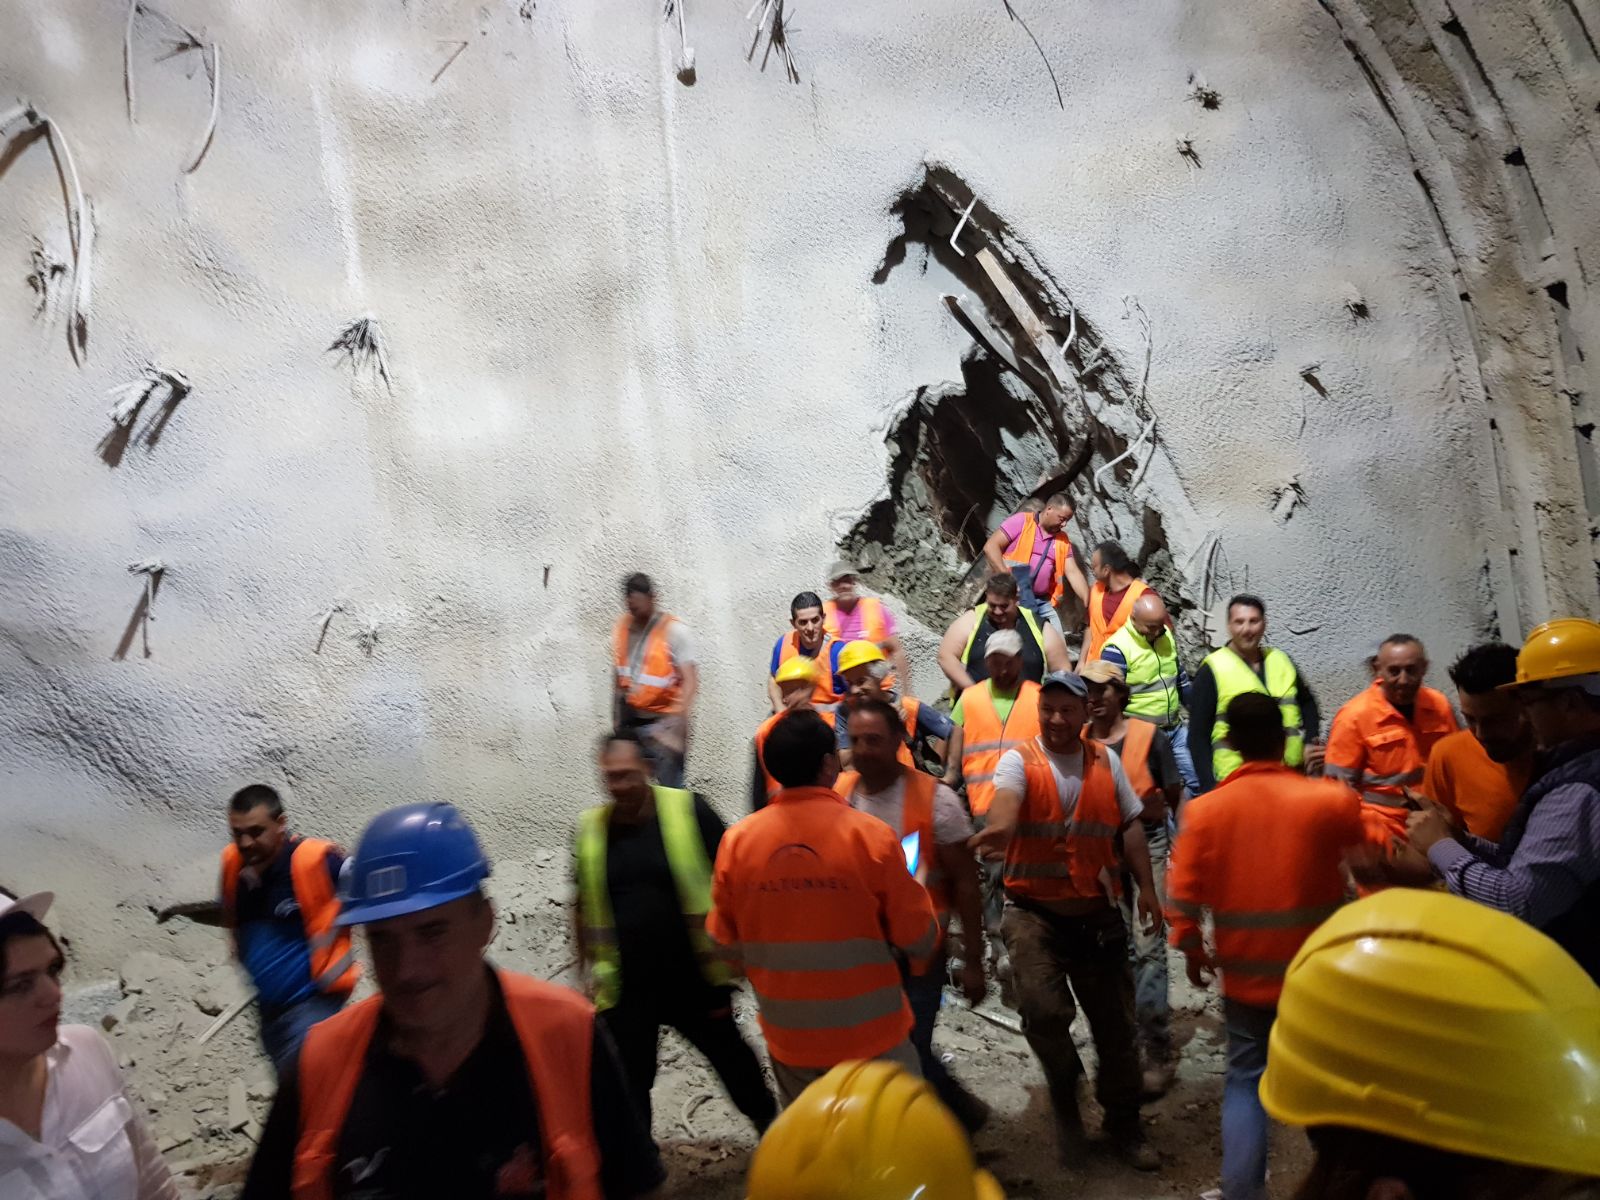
1179	738
1027	598
1151	1008
1244	1121
283	1029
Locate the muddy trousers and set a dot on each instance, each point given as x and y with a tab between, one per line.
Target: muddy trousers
636	1030
1055	959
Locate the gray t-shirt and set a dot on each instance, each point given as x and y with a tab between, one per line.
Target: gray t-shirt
1011	775
950	821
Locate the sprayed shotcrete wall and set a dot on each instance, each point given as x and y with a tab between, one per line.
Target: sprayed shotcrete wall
355	352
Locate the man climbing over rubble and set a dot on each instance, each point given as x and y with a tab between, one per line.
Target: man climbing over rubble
643	868
457	1079
866	674
813	900
656	679
279	902
934	830
808	639
851	617
797	687
1158	687
1116	586
1034	549
1059	804
963	650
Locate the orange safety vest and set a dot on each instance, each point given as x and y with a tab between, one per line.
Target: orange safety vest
1099	628
814	899
1052	856
1135	755
773	786
556	1029
1378	752
334	969
986	737
874	628
652	682
1262	851
916	816
824	698
910	706
1021	553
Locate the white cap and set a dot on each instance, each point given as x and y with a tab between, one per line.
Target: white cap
1003	641
35	905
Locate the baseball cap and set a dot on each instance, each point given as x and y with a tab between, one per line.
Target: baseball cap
35	905
841	568
1003	641
1066	679
1101	671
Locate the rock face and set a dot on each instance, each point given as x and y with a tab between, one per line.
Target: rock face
385	339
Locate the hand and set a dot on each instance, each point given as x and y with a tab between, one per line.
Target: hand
1150	918
990	843
1367	864
1428	826
973	985
1201	970
1155	810
1316	755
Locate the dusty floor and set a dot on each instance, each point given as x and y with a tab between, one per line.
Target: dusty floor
205	1105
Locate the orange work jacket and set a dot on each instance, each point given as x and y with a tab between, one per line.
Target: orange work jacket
1021	554
556	1028
334	969
1054	856
773	786
654	684
986	737
813	898
1262	851
916	816
823	698
1099	628
1379	753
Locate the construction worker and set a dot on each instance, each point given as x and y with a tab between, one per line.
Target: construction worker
280	900
1146	758
1116	586
1381	740
865	672
963	653
813	900
1494	1095
1264	904
797	689
867	1131
999	714
1478	773
1246	665
1546	868
656	679
1036	552
934	828
456	1079
851	617
643	872
1158	687
808	639
1059	804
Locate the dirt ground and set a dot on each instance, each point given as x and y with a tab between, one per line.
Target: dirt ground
205	1103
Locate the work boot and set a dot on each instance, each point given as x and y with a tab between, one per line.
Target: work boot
1130	1145
972	1112
1156	1080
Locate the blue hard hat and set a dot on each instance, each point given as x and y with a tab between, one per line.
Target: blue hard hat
410	859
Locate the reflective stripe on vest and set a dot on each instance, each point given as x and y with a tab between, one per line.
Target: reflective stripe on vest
992	737
1021	554
555	1029
1099	628
332	957
649	680
1234	678
1055	857
1151	675
691	874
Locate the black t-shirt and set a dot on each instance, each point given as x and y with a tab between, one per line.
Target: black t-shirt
1033	663
653	943
476	1138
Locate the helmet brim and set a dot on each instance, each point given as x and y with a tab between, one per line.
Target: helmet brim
404	906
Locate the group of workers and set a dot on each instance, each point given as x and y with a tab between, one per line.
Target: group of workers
1044	839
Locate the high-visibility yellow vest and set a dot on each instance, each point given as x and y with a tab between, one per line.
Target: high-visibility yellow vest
691	872
1234	678
1152	674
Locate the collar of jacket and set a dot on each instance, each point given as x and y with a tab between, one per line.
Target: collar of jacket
1255	767
800	795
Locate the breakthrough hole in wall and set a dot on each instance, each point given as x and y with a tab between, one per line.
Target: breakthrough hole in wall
965	455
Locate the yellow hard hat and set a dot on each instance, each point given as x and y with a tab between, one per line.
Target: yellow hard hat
1422	1016
867	1131
1559	649
798	669
858	653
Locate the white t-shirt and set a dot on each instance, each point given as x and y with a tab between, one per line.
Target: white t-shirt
92	1144
679	643
950	821
1011	775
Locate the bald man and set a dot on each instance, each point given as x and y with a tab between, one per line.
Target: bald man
1158	687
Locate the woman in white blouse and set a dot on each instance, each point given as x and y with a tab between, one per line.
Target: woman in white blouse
67	1129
